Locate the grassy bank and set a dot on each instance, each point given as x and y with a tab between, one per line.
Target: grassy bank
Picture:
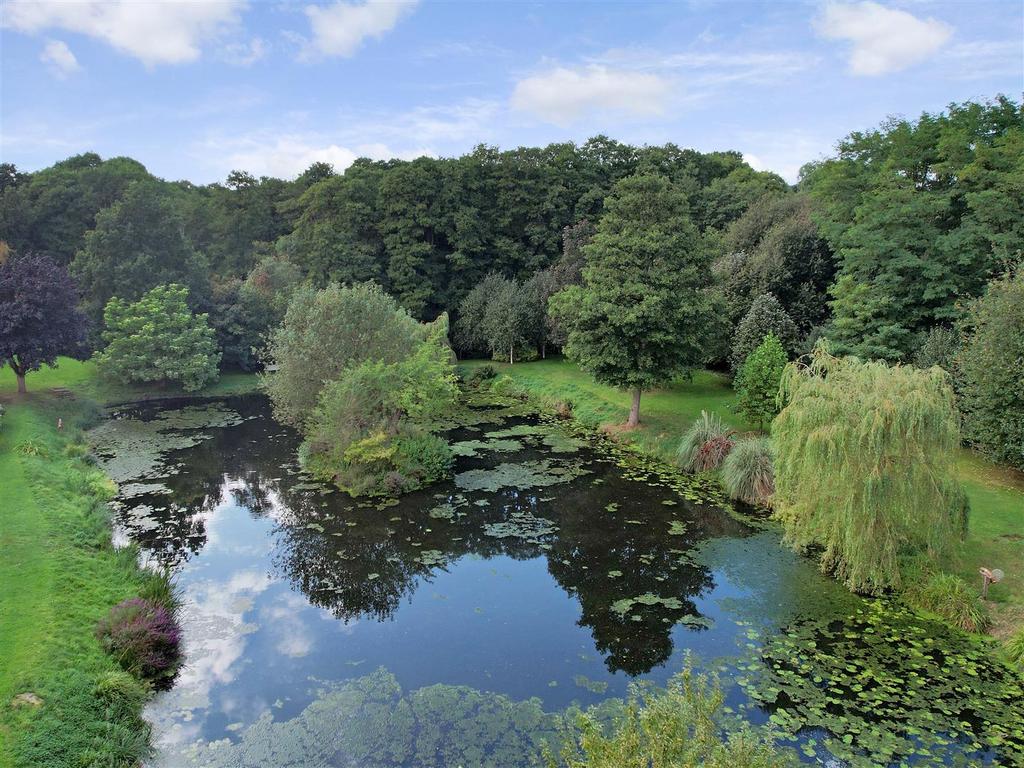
60	575
996	493
84	379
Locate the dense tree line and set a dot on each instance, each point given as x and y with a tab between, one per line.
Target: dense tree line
878	248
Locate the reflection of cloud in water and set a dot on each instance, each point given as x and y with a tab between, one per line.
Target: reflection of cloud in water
284	619
215	636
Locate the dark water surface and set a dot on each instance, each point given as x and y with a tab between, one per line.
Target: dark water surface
450	627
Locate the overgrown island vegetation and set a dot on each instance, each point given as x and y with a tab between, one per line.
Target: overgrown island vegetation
831	349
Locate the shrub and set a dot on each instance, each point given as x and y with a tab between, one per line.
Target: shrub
991	375
705	444
481	374
505	386
949	596
748	472
564	409
939	347
758	381
143	637
121	691
1014	649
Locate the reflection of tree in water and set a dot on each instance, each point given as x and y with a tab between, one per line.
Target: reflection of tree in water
362	561
358	560
603	559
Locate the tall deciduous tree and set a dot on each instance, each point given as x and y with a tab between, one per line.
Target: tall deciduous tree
39	319
638	319
138	243
866	466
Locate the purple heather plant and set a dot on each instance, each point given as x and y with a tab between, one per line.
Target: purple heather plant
144	637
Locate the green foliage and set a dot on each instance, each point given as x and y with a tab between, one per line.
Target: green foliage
639	318
138	243
919	214
991	370
748	472
677	727
326	331
480	375
758	381
158	339
368	433
865	466
766	316
939	347
1013	648
948	596
693	454
775	248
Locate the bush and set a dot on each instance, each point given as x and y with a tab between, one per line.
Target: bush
143	637
949	596
505	386
705	444
991	375
758	382
748	472
481	374
121	691
1014	649
939	347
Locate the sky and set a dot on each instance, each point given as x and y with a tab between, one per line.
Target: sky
196	89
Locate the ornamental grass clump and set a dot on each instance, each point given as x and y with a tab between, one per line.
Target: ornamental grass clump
705	444
865	466
951	598
748	472
1014	649
143	637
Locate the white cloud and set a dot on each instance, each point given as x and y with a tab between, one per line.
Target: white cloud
59	58
884	39
339	29
562	95
157	32
783	152
244	54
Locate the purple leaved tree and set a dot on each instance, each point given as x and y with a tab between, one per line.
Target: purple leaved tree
39	316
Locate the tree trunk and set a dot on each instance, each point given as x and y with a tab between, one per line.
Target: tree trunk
543	350
634	411
21	383
510	350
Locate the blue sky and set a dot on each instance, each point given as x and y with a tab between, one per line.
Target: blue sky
195	89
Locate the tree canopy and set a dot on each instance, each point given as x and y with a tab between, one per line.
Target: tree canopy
39	316
865	466
158	339
638	319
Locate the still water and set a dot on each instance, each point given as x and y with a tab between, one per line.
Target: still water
453	626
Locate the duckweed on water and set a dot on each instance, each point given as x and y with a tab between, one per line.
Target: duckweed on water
871	681
524	475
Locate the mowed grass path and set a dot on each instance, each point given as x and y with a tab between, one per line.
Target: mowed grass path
996	529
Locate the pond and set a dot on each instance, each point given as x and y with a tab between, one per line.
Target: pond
455	625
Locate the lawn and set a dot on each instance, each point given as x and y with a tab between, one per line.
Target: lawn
83	378
995	536
60	574
664	413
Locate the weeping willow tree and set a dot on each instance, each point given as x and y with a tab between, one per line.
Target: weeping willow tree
865	466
